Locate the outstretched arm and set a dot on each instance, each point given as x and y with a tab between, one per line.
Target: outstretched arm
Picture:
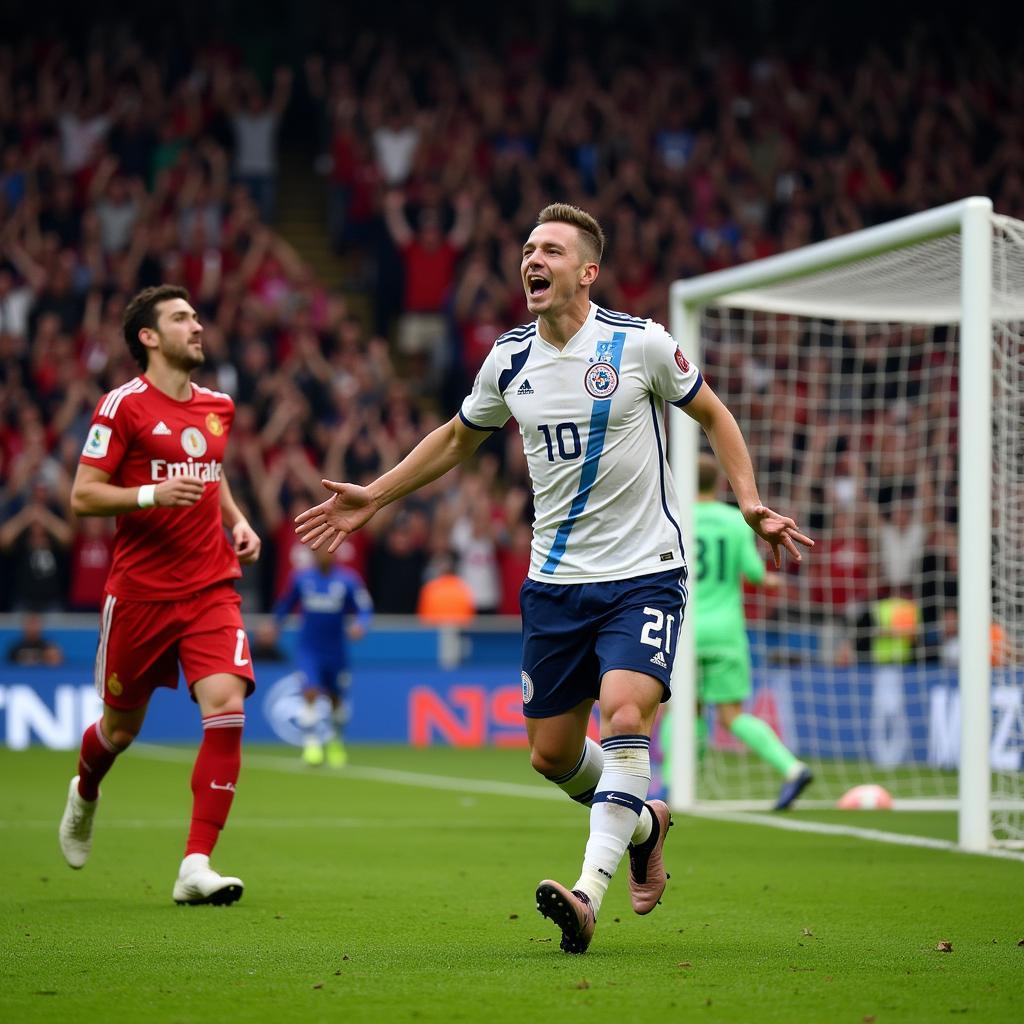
727	441
351	507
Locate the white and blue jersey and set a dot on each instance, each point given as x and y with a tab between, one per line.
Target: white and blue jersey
592	419
326	601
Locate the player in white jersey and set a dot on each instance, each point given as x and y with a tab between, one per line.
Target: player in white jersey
606	589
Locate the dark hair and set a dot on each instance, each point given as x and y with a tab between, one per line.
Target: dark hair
140	314
707	474
591	235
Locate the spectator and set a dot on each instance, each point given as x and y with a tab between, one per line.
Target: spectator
91	554
840	573
33	649
897	624
118	203
255	120
394	145
446	598
36	540
429	259
397	564
16	299
474	541
901	544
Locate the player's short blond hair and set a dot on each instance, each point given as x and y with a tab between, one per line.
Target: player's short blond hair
590	234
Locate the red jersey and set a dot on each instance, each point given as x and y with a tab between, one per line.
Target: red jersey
140	436
428	276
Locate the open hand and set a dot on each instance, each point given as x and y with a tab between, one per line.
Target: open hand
330	522
779	531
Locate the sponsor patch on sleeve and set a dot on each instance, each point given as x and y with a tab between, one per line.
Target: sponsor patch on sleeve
681	362
97	442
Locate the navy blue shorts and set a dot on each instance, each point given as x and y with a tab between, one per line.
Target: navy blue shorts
574	634
328	676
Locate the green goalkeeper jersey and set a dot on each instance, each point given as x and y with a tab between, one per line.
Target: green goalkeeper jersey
726	555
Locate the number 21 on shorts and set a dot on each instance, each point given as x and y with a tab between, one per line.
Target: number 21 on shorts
657	631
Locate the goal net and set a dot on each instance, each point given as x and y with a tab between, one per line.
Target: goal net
879	381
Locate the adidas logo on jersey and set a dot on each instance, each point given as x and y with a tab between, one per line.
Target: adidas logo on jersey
162	429
659	660
525	389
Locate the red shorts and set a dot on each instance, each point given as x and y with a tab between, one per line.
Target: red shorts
142	642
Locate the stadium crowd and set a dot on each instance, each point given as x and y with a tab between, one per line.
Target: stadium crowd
118	170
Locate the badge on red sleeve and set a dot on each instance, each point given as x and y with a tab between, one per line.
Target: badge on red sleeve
98	442
681	361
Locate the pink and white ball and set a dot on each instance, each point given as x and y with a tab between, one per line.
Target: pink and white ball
868	797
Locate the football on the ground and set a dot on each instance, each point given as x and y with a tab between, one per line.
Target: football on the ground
868	797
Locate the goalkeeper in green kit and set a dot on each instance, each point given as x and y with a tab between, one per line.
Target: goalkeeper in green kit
726	555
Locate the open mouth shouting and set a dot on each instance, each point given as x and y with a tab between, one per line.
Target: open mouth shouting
537	285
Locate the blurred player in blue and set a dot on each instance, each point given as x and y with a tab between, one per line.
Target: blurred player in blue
334	608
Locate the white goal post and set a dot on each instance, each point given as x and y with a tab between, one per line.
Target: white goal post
901	273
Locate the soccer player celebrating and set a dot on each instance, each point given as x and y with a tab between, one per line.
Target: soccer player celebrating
726	555
335	606
154	459
606	588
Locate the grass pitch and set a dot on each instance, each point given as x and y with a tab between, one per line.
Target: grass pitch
401	889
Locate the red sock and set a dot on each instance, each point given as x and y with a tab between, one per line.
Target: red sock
214	778
94	760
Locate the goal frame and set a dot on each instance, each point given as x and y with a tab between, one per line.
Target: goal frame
972	219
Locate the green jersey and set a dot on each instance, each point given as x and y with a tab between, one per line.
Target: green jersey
726	555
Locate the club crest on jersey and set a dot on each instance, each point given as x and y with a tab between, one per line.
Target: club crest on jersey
681	361
527	688
193	442
214	425
601	380
114	685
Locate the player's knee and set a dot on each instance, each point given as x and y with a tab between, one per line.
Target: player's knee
220	696
120	737
232	705
626	720
550	764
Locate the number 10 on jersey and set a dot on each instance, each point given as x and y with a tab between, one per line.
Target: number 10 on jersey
566	437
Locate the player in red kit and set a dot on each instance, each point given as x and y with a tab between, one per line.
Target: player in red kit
154	458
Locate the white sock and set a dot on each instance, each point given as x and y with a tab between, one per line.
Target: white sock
615	811
194	861
581	784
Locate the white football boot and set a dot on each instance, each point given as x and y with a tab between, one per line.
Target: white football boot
75	832
198	883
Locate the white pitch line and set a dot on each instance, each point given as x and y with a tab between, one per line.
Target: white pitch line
495	788
393	775
855	831
238	821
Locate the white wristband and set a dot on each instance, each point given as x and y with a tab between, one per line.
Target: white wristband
147	495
